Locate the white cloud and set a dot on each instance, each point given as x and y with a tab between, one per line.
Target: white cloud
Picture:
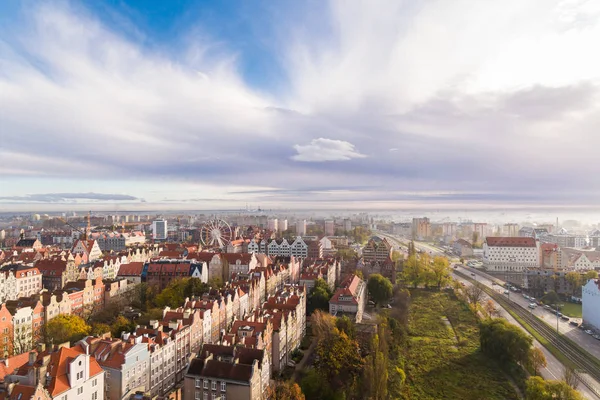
321	149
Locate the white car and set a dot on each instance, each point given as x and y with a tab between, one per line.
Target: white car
532	305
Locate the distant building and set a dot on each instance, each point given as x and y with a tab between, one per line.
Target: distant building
329	227
462	248
159	229
272	225
301	228
421	228
347	225
377	251
282	225
511	230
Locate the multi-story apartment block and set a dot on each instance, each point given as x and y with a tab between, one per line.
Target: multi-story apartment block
55	304
28	280
329	227
566	240
159	229
510	230
301	227
377	251
514	254
272	225
162	271
227	372
421	228
126	362
350	298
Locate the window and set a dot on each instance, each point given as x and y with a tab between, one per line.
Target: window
79	390
94	382
198	395
95	396
223	386
205	384
213	385
198	382
206	395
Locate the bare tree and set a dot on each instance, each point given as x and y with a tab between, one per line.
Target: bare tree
474	293
570	376
490	309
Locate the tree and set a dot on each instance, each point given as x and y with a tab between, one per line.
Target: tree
339	359
490	309
539	389
550	298
413	271
346	325
120	325
590	275
66	328
315	386
347	254
215	282
375	376
285	391
397	256
380	288
99	329
504	342
474	293
441	271
322	323
318	298
537	360
574	279
570	377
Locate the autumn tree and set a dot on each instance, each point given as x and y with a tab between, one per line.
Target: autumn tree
590	275
99	329
550	298
413	271
318	298
120	325
66	328
441	271
490	309
285	391
574	279
346	325
539	389
339	359
380	288
322	323
375	375
504	342
537	360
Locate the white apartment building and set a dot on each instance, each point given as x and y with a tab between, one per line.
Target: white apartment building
514	254
28	281
298	248
23	329
272	225
301	227
283	225
159	229
591	303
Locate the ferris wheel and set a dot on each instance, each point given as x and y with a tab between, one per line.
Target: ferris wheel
216	232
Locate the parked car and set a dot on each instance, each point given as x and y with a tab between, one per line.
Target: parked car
506	292
589	332
565	318
531	305
547	307
472	274
574	323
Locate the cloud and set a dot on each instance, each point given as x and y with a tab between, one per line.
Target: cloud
321	149
478	97
65	197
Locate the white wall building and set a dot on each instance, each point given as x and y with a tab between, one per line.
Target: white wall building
514	254
159	229
283	225
591	303
272	224
301	227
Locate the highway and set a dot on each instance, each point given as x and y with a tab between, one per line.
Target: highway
587	365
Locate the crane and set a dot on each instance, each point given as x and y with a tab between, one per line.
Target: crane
86	233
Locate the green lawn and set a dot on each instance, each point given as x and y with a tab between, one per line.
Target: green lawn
443	360
571	310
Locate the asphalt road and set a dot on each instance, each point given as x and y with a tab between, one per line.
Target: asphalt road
554	369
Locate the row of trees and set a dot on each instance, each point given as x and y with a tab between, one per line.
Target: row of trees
72	328
576	280
422	270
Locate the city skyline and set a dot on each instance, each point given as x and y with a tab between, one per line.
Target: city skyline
331	105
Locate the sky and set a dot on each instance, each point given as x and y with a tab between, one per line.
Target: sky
227	104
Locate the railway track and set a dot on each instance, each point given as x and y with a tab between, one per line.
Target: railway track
584	362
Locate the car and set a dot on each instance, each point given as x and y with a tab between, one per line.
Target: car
456	267
506	292
558	314
597	337
531	305
574	323
565	318
532	298
524	295
547	307
589	332
494	283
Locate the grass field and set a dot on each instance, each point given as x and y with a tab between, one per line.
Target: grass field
571	310
443	360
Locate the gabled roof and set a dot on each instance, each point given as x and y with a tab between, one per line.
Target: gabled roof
131	269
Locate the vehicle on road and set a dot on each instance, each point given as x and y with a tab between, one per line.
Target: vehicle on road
532	305
574	323
494	284
524	295
547	307
565	318
589	332
456	267
472	274
506	292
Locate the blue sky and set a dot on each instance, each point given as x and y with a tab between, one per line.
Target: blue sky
326	104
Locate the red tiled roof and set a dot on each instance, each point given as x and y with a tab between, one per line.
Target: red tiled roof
510	241
131	269
14	363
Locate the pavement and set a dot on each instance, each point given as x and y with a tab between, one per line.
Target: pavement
554	369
